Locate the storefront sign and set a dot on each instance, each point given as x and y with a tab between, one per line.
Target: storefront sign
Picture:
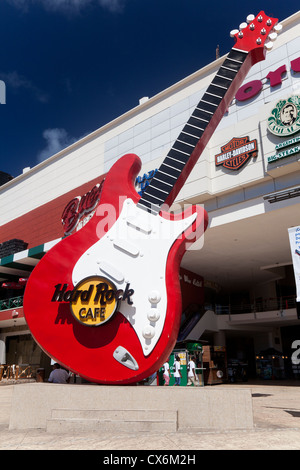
236	153
251	89
142	182
284	154
285	117
285	121
80	209
94	300
294	236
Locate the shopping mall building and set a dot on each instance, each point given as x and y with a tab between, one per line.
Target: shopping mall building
239	281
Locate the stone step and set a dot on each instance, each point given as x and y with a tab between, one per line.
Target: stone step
117	421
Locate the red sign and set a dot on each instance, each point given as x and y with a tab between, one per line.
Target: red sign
251	89
79	207
236	153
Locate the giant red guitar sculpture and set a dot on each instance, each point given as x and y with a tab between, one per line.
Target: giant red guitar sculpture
105	302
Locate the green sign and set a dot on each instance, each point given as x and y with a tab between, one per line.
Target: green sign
287	143
285	117
284	154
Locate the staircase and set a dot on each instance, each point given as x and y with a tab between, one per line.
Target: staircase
116	421
208	321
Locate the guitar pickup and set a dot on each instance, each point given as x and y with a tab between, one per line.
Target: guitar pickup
139	224
127	247
111	271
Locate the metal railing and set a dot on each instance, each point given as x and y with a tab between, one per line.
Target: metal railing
261	305
264	305
18	371
13	302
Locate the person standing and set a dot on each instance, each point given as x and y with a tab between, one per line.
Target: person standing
59	375
177	373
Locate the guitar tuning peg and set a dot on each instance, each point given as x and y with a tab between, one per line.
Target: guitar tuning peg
278	28
233	32
272	36
268	45
250	18
243	25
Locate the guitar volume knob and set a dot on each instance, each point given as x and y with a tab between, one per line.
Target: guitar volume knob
153	315
154	297
148	332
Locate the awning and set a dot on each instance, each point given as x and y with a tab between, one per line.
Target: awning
21	264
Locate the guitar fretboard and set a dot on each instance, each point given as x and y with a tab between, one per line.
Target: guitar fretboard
179	155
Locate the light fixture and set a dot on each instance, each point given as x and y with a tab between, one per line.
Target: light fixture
283	195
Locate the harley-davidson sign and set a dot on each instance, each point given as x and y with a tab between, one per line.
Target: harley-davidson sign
236	153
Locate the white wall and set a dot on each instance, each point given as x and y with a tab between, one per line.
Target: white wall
150	130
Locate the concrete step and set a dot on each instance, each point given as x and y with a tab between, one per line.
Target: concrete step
67	420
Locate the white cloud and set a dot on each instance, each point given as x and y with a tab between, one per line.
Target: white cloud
15	81
56	140
69	6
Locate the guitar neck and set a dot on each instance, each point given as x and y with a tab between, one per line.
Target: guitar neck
195	135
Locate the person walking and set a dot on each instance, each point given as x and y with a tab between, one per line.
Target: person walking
177	373
166	373
192	378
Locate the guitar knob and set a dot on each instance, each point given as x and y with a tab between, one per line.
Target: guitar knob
148	332
278	28
272	36
268	45
153	315
154	297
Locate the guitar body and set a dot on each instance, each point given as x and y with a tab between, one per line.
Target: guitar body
124	262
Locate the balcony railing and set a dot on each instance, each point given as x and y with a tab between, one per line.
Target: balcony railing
261	305
13	302
264	305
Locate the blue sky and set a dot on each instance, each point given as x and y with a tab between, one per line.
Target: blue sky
71	66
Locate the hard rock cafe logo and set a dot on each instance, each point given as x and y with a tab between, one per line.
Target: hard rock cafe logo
285	117
94	300
236	153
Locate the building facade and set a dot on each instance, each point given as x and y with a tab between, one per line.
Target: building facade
239	279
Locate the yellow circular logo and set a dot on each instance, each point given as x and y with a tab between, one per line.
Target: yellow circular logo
94	300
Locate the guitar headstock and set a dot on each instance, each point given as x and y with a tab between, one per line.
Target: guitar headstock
257	35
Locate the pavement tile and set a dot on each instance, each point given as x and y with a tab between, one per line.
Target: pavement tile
276	412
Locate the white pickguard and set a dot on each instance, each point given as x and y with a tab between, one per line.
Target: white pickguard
135	251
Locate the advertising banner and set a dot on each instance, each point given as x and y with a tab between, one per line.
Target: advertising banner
294	235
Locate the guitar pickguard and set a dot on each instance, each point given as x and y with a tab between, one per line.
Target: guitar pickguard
134	251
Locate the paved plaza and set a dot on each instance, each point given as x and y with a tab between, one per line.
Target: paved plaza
276	413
